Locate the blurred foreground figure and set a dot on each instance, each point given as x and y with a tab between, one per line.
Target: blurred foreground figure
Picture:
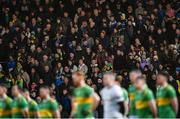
112	97
19	105
84	100
166	97
5	103
48	108
32	105
132	90
125	94
144	100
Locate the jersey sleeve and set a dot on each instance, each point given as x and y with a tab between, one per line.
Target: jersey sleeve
54	105
23	103
149	95
35	106
171	93
89	92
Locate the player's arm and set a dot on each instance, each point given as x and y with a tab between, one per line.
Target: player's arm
25	112
73	107
174	103
152	105
24	107
56	114
55	109
96	100
126	108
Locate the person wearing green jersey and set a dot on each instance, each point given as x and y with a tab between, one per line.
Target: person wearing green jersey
145	104
32	105
48	107
19	104
166	98
84	99
131	92
5	103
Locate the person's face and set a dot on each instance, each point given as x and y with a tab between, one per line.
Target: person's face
106	80
2	91
43	92
160	79
133	76
26	95
46	68
76	79
15	91
139	83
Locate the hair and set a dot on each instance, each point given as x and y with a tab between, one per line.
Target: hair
3	85
141	78
135	71
45	87
79	73
164	73
112	75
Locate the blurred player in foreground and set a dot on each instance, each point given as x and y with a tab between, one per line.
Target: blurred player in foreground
5	103
145	104
48	108
19	105
84	99
112	97
125	94
166	97
32	105
131	90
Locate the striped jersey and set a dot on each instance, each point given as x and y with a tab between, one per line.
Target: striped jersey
18	105
33	107
132	91
83	102
5	107
47	107
141	103
163	98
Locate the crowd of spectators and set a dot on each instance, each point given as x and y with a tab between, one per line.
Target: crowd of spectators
44	41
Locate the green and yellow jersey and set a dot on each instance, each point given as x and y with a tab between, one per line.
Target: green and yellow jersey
5	107
83	102
47	107
18	105
132	91
33	108
163	100
141	103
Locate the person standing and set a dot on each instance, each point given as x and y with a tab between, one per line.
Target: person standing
112	97
5	103
84	100
166	97
32	105
19	104
131	91
48	107
145	104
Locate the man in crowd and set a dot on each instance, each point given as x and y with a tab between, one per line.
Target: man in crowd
166	97
19	104
145	104
5	103
112	97
48	107
84	100
132	90
32	105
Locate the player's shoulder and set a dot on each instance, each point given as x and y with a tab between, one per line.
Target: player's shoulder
52	100
8	100
33	102
169	87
